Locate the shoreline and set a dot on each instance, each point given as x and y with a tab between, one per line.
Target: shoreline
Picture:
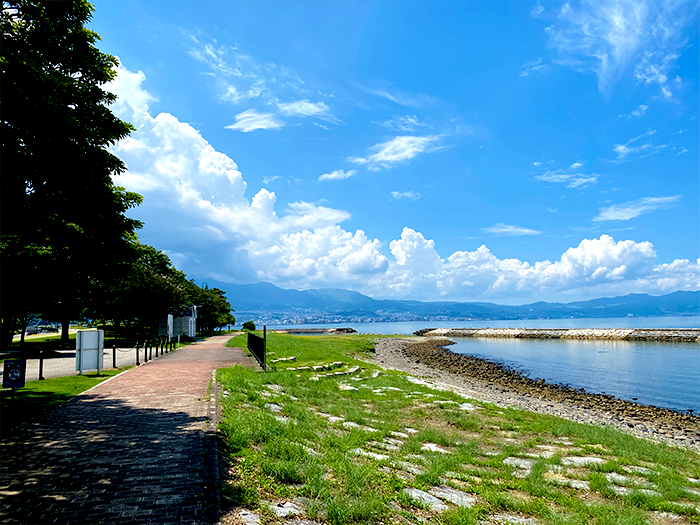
492	382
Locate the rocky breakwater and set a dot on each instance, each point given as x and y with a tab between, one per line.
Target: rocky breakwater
651	422
617	334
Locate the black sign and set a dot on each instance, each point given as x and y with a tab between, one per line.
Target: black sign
13	373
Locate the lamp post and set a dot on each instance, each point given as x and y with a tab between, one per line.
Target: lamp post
204	286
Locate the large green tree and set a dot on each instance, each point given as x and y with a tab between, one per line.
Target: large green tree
214	310
64	226
146	289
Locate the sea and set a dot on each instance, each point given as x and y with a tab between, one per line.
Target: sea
662	374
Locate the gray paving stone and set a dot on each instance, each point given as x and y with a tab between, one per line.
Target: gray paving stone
283	509
522	463
581	461
384	446
425	498
635	469
511	519
459	498
408	467
367	454
432	447
618	479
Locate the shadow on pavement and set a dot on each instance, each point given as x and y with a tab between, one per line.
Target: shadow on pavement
102	460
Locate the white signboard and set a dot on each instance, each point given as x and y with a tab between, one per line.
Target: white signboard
89	346
170	326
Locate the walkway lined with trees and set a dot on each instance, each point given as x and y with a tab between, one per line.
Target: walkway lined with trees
139	448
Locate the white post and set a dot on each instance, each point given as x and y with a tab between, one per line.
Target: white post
79	350
170	326
100	350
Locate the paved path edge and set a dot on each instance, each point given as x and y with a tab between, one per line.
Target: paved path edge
212	478
76	396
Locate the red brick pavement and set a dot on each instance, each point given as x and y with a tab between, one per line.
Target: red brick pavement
138	448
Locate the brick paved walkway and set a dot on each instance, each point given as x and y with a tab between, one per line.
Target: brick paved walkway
136	449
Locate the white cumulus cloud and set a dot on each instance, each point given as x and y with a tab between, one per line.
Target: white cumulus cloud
196	209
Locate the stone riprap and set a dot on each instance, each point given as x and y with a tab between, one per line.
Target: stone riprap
493	382
617	334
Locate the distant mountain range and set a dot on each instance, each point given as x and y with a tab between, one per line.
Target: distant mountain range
344	305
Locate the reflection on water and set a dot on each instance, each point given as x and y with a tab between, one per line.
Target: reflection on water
661	374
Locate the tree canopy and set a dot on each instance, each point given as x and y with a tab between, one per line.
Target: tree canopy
68	248
63	219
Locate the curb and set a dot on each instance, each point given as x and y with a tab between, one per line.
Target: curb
212	475
98	384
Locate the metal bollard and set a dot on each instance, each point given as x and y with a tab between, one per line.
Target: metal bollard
137	355
145	351
114	354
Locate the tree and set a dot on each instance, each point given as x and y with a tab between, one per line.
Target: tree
64	228
249	325
214	311
147	289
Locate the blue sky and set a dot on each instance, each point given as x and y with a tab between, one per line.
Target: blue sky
500	151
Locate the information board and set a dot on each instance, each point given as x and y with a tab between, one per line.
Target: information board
89	346
13	373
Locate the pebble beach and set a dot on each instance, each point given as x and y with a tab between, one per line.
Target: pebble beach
428	358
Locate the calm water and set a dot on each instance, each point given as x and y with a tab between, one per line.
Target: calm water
661	374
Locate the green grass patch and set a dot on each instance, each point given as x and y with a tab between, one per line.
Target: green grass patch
297	433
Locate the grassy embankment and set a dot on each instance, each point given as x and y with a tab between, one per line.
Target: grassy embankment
351	447
38	397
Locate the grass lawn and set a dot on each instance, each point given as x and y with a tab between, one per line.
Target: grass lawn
355	444
39	396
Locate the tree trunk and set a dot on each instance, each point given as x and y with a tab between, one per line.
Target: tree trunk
65	336
7	333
